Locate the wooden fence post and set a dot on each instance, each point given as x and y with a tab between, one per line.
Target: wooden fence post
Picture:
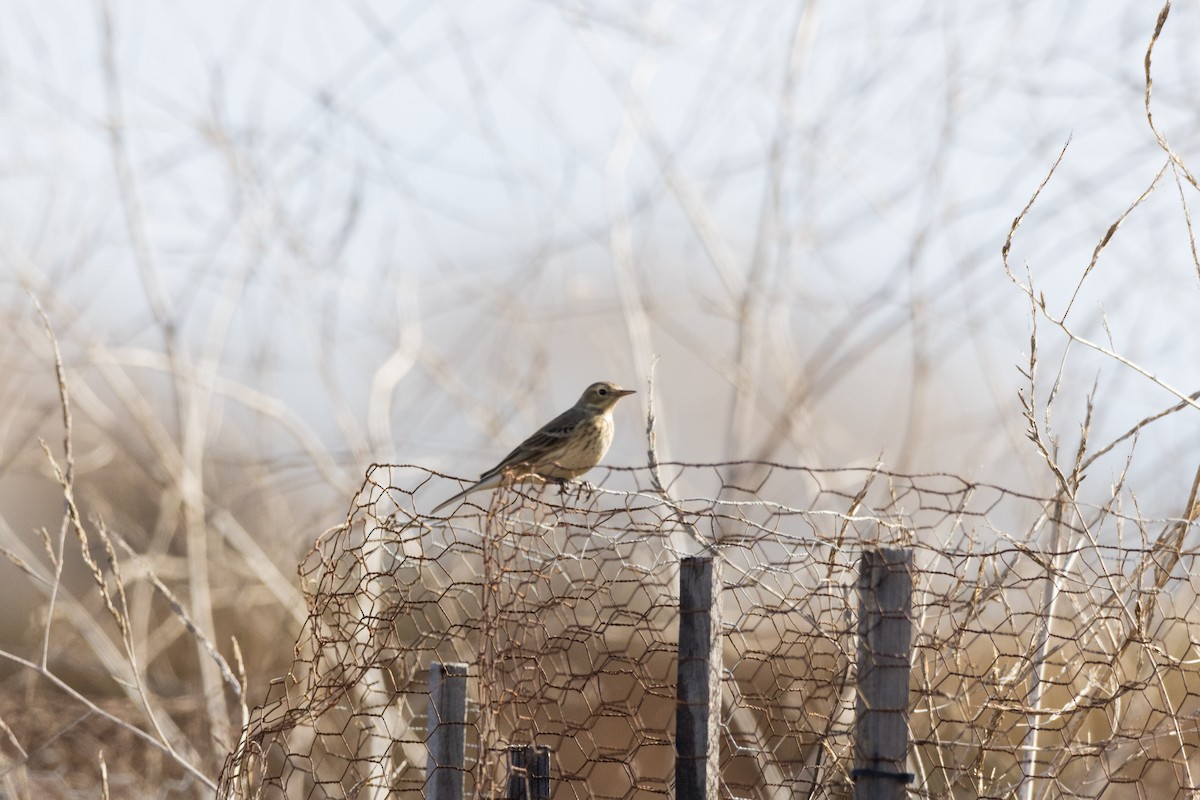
884	659
698	691
447	731
528	773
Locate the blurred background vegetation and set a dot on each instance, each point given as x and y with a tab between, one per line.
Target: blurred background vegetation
278	242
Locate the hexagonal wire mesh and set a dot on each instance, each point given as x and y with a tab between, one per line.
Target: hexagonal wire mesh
1054	651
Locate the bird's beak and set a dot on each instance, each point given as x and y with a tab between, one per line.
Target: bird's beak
623	392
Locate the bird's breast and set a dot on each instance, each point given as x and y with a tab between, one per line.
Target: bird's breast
586	446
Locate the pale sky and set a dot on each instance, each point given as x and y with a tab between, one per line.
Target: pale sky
423	227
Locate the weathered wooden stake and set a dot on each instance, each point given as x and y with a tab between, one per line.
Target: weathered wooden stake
447	731
698	692
884	658
528	773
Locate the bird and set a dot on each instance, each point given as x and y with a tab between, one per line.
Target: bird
563	449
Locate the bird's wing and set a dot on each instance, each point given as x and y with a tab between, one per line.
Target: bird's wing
547	439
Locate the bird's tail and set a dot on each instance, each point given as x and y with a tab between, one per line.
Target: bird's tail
489	482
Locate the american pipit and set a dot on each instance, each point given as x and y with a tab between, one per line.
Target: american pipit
564	448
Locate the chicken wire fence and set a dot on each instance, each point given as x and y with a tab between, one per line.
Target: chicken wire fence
1054	646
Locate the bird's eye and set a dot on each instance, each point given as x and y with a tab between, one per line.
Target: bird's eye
602	392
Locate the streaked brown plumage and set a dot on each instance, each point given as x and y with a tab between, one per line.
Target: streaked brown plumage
562	449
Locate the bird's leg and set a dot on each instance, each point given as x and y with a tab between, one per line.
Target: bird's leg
569	487
572	487
582	487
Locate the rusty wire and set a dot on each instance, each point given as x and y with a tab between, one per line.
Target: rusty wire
1055	646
